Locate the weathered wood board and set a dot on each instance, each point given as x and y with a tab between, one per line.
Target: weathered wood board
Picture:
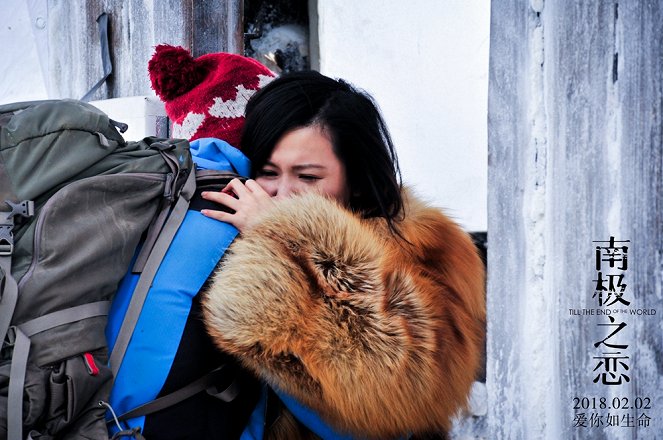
71	39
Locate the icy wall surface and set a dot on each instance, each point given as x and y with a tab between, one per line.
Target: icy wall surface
575	143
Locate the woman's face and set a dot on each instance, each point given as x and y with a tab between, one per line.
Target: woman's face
304	160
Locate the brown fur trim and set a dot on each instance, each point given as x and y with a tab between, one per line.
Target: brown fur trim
380	336
286	427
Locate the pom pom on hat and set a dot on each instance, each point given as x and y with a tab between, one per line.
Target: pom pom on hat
206	96
173	71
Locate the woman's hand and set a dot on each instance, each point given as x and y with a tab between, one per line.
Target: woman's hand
250	201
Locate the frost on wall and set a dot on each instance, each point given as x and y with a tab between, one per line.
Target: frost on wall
575	156
277	34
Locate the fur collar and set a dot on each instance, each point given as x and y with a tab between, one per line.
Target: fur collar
382	337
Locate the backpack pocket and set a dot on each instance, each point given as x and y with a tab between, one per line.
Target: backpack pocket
75	388
34	395
62	399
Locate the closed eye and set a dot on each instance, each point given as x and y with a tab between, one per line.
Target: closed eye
266	173
309	177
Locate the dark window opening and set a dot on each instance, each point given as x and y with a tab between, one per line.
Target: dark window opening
277	33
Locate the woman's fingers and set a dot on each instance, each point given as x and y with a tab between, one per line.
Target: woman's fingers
236	186
251	201
221	198
256	189
218	215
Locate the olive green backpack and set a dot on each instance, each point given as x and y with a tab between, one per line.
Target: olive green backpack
75	202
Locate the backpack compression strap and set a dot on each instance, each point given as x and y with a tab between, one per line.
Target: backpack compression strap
9	293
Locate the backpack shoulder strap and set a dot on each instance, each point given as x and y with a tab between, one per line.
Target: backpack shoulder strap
151	267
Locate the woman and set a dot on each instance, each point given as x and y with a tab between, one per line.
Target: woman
344	291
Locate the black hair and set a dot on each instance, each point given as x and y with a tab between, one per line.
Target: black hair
353	123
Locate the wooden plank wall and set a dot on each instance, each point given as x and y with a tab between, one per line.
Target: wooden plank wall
575	155
135	27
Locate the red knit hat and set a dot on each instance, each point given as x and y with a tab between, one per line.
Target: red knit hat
206	96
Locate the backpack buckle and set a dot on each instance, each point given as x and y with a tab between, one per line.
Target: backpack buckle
25	208
6	240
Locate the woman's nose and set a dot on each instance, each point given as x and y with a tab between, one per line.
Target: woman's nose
285	188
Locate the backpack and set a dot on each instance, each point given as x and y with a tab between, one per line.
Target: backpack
75	202
86	212
171	382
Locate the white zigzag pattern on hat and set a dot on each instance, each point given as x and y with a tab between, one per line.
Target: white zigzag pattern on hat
189	126
220	109
234	108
